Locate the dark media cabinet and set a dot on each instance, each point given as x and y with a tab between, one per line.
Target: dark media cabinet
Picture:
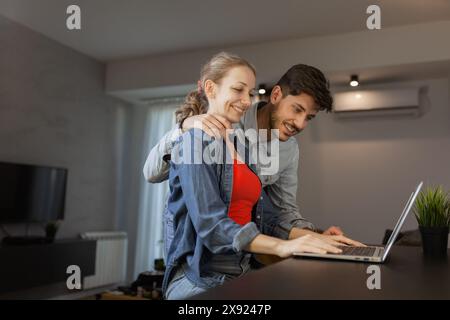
29	266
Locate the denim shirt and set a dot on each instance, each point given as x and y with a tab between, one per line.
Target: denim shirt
200	196
281	188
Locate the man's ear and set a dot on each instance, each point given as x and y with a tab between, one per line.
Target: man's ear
276	95
210	89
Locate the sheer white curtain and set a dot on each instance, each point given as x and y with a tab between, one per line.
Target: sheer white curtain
160	118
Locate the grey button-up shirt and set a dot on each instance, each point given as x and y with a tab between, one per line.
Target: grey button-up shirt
281	187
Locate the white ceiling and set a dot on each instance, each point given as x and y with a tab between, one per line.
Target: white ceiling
119	29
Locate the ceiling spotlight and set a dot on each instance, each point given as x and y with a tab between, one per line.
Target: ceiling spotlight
354	82
262	89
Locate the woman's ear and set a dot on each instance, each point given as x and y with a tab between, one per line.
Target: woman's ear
276	95
210	89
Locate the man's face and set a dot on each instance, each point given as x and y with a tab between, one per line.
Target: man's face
291	113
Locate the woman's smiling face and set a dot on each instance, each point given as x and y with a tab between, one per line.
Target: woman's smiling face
232	96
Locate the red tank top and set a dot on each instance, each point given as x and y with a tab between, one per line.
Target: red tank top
246	191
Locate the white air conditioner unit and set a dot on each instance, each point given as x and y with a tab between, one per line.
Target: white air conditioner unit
382	102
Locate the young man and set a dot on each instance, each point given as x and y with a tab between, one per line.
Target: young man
295	100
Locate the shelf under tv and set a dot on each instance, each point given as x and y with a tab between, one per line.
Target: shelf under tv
25	240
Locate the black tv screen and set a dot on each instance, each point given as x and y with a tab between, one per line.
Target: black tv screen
31	193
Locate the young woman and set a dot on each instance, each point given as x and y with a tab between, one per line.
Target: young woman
212	202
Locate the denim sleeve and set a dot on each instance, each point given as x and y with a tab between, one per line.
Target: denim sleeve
206	209
283	196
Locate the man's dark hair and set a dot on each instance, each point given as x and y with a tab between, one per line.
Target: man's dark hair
302	78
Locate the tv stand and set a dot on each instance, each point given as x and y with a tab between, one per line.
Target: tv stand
40	271
23	241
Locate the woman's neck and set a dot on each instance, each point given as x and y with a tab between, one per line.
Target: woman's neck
263	117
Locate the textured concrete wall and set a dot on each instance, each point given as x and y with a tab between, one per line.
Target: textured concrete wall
53	111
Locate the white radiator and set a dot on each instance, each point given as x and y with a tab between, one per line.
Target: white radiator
110	258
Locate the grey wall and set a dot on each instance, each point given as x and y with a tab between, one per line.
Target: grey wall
53	111
359	173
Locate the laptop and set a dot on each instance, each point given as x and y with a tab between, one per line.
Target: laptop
377	254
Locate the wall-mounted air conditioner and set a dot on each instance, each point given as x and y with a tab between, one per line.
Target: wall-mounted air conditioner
381	102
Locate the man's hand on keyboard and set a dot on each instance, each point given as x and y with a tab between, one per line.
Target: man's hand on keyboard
333	231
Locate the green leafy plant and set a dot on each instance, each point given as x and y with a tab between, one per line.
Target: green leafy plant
432	208
51	228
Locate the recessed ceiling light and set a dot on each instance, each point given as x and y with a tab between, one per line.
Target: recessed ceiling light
354	82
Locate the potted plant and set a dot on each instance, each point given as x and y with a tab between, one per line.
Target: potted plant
432	210
51	228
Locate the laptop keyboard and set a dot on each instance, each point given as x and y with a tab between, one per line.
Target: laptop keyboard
358	251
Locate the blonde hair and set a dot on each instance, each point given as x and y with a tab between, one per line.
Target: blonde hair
215	69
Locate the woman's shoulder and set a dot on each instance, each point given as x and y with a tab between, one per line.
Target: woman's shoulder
197	144
196	135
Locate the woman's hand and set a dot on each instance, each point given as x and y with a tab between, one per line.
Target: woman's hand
331	236
212	124
308	243
338	240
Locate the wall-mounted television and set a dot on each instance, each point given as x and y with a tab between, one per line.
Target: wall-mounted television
30	193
